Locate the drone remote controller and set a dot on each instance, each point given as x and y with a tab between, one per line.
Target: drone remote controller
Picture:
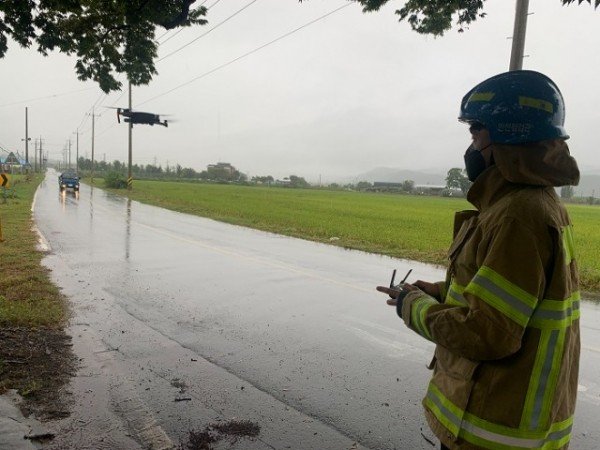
400	285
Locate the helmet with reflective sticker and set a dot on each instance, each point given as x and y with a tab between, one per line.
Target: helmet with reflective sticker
516	107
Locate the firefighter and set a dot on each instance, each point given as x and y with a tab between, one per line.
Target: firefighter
506	319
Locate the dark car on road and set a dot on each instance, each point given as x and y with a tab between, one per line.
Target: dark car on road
68	180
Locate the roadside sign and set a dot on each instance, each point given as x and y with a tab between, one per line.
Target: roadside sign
4	180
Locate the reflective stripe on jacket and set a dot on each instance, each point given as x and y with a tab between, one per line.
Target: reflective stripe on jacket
507	332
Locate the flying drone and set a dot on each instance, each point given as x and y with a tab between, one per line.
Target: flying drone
139	117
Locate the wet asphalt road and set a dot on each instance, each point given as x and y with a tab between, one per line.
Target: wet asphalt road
181	321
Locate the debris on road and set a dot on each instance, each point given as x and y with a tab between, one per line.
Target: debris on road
214	432
40	437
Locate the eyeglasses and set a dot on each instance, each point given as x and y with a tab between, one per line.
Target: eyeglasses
476	126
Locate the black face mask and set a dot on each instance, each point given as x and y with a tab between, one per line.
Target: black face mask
474	163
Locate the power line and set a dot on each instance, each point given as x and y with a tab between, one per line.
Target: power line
236	59
172	36
104	96
217	1
118	98
85	117
181	28
283	36
212	29
101	97
46	97
163	35
100	133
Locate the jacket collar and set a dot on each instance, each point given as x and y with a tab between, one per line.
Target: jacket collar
543	163
488	188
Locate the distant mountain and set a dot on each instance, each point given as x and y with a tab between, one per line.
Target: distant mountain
589	184
393	175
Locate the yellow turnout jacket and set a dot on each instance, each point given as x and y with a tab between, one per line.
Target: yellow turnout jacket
507	323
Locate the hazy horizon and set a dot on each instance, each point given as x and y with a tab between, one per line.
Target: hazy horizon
348	94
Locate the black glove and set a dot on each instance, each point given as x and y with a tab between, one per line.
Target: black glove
400	301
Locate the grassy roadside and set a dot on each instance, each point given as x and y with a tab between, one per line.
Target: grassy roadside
27	297
35	354
404	226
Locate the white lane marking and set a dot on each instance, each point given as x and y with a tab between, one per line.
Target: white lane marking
278	265
592	349
400	349
264	262
589	392
42	244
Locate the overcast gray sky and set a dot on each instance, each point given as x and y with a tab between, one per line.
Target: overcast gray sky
344	95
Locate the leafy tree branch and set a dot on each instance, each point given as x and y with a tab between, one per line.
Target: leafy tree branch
108	37
436	16
111	37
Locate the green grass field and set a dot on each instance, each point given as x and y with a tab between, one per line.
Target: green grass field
586	223
27	296
405	226
35	353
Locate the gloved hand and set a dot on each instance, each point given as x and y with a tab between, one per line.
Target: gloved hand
432	289
397	295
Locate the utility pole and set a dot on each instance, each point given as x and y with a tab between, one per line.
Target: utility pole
69	153
27	138
93	125
77	153
129	173
41	160
35	146
518	38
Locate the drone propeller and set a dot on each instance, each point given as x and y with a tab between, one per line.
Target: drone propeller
120	112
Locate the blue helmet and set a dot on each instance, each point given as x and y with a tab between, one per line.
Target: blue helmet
516	107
